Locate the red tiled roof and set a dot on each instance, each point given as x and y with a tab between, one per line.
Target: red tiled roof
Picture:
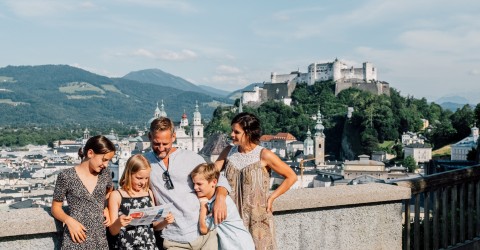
266	137
279	136
285	136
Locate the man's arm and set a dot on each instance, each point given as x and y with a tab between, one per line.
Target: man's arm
220	205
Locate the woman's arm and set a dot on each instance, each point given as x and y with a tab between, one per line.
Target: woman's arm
272	161
77	230
113	207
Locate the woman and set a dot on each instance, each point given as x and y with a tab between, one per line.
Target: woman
247	167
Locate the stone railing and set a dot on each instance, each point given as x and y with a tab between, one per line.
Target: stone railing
342	217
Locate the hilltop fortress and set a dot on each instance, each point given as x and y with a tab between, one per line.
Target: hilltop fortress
281	86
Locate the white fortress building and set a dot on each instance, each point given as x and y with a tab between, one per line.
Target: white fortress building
281	86
336	70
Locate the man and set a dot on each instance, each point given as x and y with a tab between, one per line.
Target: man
170	182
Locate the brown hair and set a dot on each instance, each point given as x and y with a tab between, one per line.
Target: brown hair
208	170
161	124
99	144
250	124
134	164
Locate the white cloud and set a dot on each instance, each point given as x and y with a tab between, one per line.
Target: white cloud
46	8
441	41
143	53
474	72
178	5
225	69
88	5
32	8
177	56
166	55
229	83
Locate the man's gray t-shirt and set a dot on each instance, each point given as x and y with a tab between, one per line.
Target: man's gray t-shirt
183	198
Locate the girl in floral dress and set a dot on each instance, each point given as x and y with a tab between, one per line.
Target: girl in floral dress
85	188
134	193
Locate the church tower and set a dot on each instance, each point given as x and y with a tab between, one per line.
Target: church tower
197	130
184	121
308	144
86	136
319	139
161	112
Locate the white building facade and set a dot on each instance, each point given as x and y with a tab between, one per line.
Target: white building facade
459	150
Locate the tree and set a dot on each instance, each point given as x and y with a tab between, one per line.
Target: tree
410	163
462	121
472	155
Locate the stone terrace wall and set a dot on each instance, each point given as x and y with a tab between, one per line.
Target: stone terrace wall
341	217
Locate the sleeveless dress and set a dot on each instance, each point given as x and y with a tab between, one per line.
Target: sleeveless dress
135	237
250	184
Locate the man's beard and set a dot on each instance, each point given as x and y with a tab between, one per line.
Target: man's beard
166	154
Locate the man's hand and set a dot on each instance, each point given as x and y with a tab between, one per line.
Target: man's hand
169	218
220	209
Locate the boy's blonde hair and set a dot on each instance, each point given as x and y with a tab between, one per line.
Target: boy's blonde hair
134	164
207	170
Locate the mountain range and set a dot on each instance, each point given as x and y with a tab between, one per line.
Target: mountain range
61	94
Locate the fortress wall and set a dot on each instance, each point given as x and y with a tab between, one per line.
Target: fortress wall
283	78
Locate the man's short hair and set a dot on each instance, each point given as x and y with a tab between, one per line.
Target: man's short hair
161	124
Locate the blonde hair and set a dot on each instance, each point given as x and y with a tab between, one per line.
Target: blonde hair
134	164
208	170
161	124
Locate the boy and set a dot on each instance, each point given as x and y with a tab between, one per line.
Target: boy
232	233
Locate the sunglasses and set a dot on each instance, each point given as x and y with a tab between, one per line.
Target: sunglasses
168	180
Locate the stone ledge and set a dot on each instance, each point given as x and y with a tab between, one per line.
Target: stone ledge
346	195
32	221
28	221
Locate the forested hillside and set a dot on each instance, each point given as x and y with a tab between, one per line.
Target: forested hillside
64	95
375	118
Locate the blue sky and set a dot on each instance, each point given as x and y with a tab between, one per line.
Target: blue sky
422	48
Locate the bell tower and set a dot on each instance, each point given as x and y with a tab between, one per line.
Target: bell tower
319	140
197	130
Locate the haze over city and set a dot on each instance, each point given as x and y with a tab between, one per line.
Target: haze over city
425	49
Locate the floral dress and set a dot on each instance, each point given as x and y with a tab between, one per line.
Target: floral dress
86	208
250	189
135	237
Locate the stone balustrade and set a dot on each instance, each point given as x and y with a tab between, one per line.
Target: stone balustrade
365	216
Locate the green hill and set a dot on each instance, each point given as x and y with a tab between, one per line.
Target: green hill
61	94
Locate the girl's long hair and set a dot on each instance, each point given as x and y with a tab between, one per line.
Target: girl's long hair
134	164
